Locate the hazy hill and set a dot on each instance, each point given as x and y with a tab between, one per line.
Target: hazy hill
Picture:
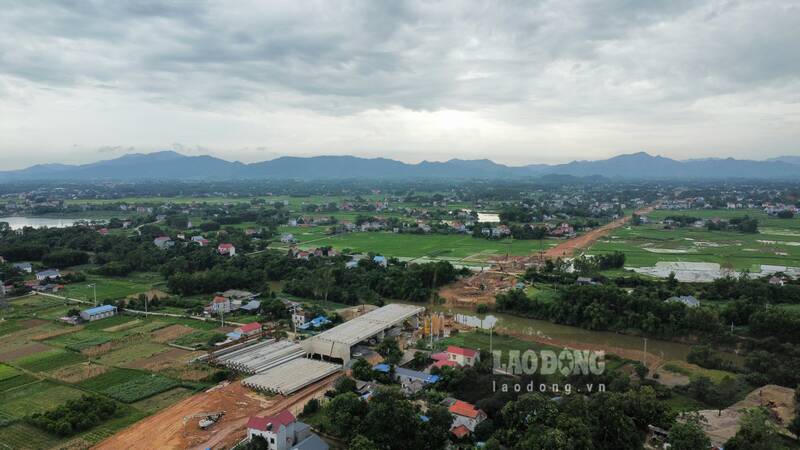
172	165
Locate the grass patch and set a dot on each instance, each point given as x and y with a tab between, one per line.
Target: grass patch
196	339
682	403
34	397
14	382
7	372
140	388
9	326
20	435
113	377
112	288
690	370
49	360
480	340
79	340
158	401
127	354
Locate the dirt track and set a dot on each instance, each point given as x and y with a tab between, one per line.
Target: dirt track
568	248
166	428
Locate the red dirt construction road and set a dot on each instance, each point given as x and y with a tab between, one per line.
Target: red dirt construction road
568	248
166	429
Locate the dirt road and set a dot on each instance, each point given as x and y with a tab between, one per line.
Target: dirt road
166	429
568	248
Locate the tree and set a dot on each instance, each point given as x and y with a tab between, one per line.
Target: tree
361	442
641	371
688	434
756	432
391	422
362	370
345	413
390	351
345	384
311	407
257	443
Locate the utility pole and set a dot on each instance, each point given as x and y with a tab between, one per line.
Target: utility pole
491	329
645	352
94	289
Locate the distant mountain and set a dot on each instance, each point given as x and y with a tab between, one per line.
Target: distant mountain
171	165
786	159
645	166
158	165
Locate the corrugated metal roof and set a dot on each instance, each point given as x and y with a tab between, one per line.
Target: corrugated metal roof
100	309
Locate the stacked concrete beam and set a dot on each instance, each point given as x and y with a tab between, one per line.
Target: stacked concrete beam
262	356
291	376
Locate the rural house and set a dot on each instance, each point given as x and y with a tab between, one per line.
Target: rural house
220	304
687	300
462	356
465	417
163	242
47	275
226	249
23	267
283	432
250	329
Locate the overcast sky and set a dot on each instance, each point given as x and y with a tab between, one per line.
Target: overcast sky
517	83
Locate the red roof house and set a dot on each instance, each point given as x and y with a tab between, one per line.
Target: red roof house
226	249
250	329
284	418
460	431
444	363
462	356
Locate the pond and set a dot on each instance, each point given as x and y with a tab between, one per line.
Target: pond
37	222
488	217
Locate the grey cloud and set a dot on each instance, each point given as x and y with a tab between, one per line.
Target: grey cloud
349	56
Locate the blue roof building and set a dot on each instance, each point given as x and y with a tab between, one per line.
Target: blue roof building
381	260
98	312
315	322
381	368
405	376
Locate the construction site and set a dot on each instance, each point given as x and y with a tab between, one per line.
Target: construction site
482	287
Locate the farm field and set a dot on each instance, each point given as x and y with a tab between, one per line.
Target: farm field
777	243
47	363
111	288
455	248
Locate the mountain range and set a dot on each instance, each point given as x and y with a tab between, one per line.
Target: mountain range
169	165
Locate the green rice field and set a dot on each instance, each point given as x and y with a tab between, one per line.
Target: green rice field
777	243
453	247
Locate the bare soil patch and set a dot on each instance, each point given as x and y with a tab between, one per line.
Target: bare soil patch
79	372
171	333
25	350
174	357
477	289
30	323
778	400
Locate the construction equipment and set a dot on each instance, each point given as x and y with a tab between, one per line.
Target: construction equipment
207	419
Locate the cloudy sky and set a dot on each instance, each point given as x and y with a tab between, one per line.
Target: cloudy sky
519	83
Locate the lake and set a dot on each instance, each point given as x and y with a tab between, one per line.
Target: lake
37	222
